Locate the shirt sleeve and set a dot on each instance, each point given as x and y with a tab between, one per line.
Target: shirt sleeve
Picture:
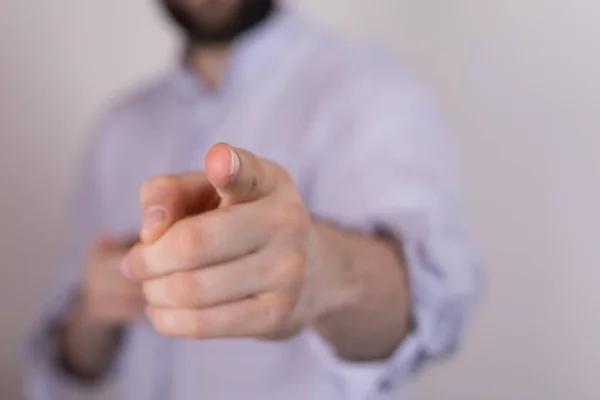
44	379
392	168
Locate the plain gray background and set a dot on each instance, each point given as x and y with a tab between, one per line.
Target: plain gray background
519	82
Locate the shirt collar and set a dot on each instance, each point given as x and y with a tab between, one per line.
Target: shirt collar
253	55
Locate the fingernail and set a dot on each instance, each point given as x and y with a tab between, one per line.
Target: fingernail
154	217
235	163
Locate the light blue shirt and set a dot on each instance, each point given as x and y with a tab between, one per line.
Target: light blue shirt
368	151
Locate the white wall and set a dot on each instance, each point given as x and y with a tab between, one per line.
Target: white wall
519	81
61	62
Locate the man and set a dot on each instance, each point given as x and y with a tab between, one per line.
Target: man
316	250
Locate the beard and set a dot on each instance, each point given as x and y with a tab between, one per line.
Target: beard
213	23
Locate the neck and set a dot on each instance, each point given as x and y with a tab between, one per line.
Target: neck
209	63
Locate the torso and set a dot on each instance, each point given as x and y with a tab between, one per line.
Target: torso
163	132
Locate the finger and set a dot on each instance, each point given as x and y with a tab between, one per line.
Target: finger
240	176
107	254
166	199
215	285
113	243
112	283
121	288
119	310
196	242
252	317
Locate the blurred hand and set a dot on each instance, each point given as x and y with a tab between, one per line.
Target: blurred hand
106	297
231	252
89	338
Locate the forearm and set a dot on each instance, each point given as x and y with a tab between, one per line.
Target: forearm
371	316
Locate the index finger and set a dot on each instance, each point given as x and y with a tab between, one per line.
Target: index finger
240	176
168	198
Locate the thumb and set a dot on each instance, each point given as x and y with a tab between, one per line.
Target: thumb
238	175
169	198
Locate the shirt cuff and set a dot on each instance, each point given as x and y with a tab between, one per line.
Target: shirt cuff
441	285
45	379
362	380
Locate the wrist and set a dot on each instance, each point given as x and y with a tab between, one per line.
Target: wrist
85	341
339	281
366	309
84	348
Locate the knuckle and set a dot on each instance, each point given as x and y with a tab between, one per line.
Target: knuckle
162	183
182	289
280	313
291	267
194	327
163	322
186	242
297	258
177	324
294	213
291	217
